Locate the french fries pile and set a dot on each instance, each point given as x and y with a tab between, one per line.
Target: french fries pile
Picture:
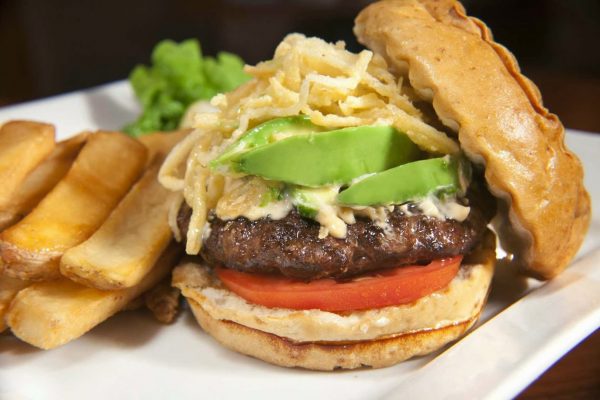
84	231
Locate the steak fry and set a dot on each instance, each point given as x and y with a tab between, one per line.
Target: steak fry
23	146
102	174
43	178
9	287
50	314
126	246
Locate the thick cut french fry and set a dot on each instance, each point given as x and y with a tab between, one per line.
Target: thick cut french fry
128	243
50	314
103	172
9	287
23	145
42	179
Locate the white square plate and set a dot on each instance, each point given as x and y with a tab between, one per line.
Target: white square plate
524	329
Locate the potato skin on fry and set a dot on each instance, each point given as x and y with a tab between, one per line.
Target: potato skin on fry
9	287
128	243
50	314
125	247
43	178
102	174
19	138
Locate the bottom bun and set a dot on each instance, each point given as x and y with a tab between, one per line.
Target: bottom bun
326	356
315	350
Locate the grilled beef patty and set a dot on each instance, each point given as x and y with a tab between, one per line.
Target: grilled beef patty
291	245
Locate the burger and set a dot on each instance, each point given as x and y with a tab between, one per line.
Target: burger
336	208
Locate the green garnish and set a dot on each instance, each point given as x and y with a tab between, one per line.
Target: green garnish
179	76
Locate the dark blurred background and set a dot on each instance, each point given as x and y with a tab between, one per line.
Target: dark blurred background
50	47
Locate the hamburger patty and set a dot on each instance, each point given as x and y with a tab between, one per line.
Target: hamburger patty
291	245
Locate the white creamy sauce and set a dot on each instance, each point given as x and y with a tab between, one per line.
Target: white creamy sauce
245	198
274	210
347	215
328	215
379	215
443	209
206	230
332	218
331	223
405	209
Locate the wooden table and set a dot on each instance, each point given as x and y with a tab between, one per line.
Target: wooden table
575	376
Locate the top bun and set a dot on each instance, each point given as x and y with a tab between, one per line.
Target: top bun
477	90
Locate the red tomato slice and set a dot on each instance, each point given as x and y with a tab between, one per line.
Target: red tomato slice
385	288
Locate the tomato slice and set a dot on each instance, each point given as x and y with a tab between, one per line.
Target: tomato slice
385	288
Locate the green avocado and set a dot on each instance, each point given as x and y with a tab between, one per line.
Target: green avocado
263	134
309	201
406	182
332	157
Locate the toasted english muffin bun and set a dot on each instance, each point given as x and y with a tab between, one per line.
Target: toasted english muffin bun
321	340
478	91
326	356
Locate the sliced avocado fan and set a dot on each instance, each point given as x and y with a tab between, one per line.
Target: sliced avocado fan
264	134
332	157
411	181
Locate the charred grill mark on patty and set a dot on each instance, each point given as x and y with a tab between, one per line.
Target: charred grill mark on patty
291	245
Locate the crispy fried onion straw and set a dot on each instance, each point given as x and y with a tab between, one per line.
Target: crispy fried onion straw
334	87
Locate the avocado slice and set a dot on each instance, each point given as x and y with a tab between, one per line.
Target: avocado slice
263	134
332	157
406	182
309	201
